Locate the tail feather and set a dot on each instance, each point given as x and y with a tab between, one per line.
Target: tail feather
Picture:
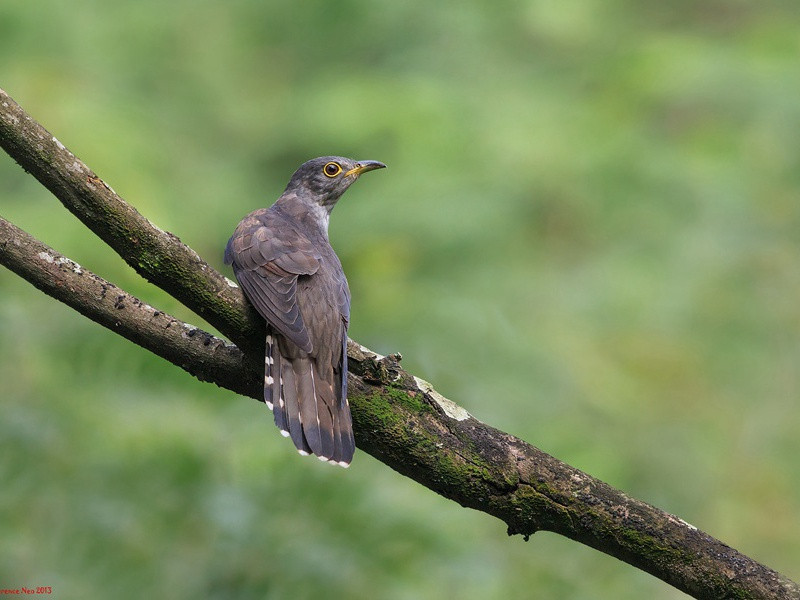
309	404
346	445
273	384
269	394
292	405
344	432
324	401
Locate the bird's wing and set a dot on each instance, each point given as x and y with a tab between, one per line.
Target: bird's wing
267	259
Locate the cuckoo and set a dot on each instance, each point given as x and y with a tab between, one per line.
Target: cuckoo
288	270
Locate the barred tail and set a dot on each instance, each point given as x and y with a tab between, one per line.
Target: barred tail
308	405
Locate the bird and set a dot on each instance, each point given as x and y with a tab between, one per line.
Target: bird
287	269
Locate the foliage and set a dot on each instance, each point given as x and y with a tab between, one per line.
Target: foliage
587	235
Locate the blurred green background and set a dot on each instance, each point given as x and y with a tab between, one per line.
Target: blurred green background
588	235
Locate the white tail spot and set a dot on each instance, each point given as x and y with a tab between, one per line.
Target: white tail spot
284	433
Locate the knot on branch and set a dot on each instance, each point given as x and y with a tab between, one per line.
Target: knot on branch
526	535
374	368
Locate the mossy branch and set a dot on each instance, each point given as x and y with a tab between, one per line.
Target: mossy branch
399	419
199	353
156	255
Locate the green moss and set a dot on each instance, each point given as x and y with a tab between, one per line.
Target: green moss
388	413
411	401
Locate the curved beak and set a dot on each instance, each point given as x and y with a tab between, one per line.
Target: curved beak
363	166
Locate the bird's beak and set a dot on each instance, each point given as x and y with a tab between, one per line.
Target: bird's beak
363	166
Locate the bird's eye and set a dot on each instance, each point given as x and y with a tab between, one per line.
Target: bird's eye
332	169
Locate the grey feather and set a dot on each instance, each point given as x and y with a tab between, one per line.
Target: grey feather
287	269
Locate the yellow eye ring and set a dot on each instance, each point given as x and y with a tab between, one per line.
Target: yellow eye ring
332	169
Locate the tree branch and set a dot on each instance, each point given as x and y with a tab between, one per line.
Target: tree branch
156	255
199	353
399	419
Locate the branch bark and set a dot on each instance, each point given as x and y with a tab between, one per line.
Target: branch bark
156	255
399	419
199	353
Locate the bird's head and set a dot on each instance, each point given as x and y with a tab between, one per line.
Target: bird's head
323	180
